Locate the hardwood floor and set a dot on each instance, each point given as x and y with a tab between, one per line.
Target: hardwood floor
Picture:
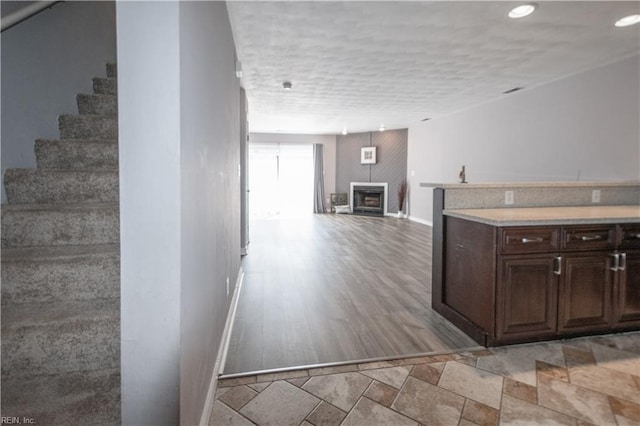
334	288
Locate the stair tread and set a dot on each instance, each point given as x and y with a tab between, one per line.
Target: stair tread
60	207
99	95
87	397
97	104
60	312
77	154
65	171
105	141
69	171
90	116
57	252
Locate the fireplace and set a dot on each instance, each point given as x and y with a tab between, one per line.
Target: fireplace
369	198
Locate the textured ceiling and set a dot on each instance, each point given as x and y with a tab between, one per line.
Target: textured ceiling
360	64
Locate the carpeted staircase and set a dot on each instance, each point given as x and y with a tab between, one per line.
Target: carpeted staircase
61	272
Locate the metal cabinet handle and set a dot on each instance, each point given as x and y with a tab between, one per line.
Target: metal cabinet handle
591	237
636	236
558	271
526	240
623	262
616	262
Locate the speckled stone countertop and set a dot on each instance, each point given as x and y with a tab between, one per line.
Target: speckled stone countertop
549	215
493	185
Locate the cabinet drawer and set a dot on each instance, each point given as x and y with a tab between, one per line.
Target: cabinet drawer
539	239
588	237
630	235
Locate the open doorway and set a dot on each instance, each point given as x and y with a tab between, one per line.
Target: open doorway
281	180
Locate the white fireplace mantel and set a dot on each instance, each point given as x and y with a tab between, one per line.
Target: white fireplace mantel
384	185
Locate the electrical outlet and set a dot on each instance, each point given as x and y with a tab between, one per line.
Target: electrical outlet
595	196
508	197
227	286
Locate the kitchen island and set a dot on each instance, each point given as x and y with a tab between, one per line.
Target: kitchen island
520	274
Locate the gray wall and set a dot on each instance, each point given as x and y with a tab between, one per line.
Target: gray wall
210	193
391	161
46	61
329	152
586	126
244	173
179	203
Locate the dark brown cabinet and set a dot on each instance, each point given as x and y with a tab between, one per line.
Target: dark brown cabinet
517	284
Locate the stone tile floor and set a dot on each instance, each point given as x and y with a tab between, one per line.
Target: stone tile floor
579	382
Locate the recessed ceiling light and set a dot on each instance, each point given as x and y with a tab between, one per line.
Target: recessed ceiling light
287	85
381	128
522	11
344	131
627	20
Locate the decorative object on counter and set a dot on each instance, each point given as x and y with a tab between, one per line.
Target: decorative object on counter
368	155
463	175
339	199
402	194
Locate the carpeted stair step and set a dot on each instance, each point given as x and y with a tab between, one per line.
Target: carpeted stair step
97	104
105	86
31	225
59	273
60	337
112	70
84	398
77	154
34	186
88	126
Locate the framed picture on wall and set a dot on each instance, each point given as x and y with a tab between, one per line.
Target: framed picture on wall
368	155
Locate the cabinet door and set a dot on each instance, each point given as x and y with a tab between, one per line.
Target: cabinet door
527	297
586	285
627	297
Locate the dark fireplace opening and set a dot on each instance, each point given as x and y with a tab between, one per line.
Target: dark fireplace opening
368	200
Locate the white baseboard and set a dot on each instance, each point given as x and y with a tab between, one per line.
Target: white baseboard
218	367
422	221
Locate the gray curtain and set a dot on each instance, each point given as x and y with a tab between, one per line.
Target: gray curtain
318	180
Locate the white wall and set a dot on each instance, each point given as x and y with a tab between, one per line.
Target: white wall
329	151
180	203
46	61
150	208
585	126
